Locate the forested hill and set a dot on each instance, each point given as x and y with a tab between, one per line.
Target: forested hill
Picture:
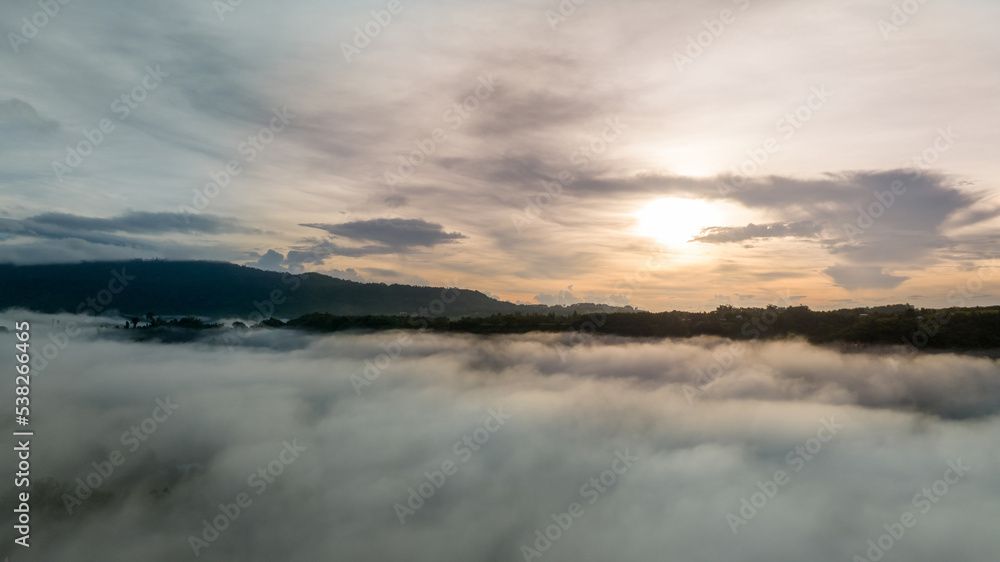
218	289
902	324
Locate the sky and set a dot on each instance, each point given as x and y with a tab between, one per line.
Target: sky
527	423
663	154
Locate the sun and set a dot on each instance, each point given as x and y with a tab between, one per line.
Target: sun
675	221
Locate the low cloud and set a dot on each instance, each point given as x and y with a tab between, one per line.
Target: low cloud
723	234
563	297
572	404
270	261
349	274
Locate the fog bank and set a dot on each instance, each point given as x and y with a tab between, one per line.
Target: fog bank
415	446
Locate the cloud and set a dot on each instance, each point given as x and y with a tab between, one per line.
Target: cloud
393	233
349	274
567	298
535	110
613	299
391	236
395	200
224	82
860	210
717	300
275	261
863	277
107	230
270	261
364	453
319	251
723	234
136	222
67	238
390	276
70	250
564	298
20	117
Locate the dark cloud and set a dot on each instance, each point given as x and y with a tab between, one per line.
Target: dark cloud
393	236
395	200
320	251
853	277
890	246
68	238
20	117
860	205
135	222
121	230
723	234
395	233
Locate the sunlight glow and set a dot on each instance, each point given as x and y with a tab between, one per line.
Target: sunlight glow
674	221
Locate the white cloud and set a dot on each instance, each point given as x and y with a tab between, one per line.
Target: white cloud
567	420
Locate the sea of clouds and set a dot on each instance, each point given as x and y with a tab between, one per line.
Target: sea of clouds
427	447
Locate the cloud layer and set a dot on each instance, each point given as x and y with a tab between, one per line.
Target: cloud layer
571	407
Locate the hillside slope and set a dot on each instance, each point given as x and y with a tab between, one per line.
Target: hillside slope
217	289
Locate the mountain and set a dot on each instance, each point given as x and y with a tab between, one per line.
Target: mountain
219	289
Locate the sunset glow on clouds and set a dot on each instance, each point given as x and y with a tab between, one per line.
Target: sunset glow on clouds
839	152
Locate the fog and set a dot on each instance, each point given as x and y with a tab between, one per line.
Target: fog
687	435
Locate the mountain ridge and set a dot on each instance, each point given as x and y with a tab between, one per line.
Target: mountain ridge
222	289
